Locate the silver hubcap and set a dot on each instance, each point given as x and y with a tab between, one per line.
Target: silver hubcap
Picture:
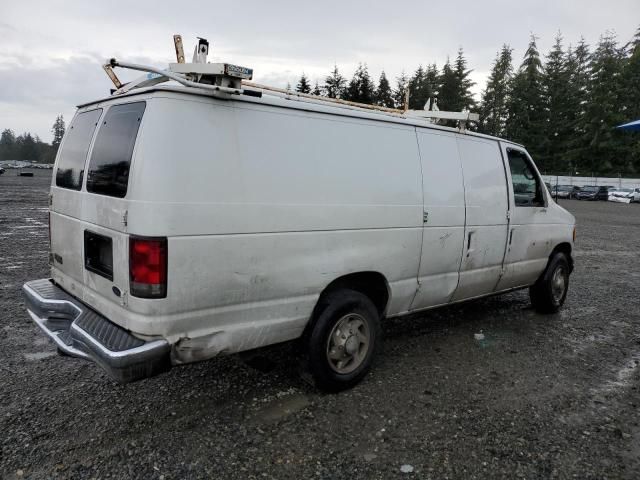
348	343
558	284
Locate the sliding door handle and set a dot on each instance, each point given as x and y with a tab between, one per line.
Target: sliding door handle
469	249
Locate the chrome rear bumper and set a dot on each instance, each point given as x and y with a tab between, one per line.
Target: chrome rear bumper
79	331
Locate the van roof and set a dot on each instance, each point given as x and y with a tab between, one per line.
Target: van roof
295	103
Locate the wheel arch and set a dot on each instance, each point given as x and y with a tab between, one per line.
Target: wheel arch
372	284
564	247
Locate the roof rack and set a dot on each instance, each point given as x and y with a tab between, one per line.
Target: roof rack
228	79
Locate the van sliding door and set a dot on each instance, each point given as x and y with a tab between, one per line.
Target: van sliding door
443	232
486	226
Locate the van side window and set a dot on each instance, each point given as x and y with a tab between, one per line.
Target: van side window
111	157
527	188
74	151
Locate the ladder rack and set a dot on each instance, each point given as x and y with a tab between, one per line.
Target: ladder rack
228	79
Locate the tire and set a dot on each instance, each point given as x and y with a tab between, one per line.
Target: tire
550	291
344	339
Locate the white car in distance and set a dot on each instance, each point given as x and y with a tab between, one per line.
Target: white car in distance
624	195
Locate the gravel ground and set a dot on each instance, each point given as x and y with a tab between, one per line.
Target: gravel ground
539	397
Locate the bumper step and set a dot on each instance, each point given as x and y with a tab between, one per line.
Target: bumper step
81	332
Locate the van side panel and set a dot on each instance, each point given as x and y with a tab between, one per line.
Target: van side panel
264	207
443	234
485	185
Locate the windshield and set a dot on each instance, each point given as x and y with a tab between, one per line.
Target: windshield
590	189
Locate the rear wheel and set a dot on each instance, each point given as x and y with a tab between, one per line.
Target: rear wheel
550	291
343	340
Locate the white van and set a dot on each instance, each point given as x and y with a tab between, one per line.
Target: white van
185	224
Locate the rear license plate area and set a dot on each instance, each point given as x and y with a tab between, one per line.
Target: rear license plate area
98	254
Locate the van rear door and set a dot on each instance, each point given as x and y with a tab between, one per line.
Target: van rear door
66	203
89	240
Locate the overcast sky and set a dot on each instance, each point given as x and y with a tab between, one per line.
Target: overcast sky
51	51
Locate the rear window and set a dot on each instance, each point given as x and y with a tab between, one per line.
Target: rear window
111	156
75	148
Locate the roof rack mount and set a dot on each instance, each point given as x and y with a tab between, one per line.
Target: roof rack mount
226	78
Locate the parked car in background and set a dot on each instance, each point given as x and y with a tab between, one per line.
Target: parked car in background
603	192
565	191
622	195
588	192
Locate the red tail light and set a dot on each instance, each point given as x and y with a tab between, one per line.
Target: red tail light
148	267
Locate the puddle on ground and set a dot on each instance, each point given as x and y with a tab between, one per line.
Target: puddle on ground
39	355
42	340
280	408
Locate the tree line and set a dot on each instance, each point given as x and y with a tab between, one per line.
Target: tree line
28	147
562	107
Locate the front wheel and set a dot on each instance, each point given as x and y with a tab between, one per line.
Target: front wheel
550	291
343	341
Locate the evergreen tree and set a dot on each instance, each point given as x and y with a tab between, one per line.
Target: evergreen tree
631	79
303	85
334	84
631	86
360	88
493	108
578	65
316	89
525	122
8	145
384	96
431	78
402	83
449	91
555	105
417	94
606	150
464	100
57	130
26	146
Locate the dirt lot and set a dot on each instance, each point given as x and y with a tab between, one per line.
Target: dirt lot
540	397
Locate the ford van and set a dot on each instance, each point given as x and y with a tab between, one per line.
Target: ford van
187	223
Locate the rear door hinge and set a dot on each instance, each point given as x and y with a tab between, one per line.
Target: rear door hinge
425	217
125	218
508	214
